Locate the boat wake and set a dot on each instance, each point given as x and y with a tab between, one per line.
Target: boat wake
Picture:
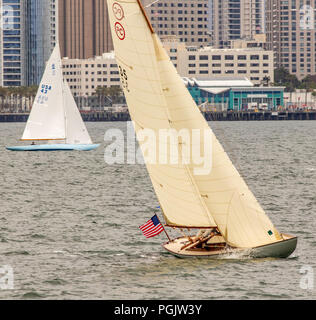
232	254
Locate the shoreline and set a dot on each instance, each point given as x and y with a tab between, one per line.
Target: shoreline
110	116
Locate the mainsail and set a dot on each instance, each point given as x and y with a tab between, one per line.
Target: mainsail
158	99
54	114
47	118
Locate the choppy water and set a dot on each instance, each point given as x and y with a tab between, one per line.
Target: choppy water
69	222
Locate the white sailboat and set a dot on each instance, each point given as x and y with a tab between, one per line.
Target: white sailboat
55	117
219	202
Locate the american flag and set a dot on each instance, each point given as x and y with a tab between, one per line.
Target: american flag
152	228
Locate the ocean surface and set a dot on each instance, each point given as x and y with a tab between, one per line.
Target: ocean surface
69	221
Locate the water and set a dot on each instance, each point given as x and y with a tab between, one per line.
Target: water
69	222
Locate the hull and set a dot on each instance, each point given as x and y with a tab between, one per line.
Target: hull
56	147
281	249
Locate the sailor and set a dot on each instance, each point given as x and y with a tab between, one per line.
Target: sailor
203	234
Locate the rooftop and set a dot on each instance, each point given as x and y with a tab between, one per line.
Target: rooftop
224	82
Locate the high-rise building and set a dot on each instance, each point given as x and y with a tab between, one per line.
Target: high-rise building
291	35
84	30
236	19
27	37
12	44
41	27
187	20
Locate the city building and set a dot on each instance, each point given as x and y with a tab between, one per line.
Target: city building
84	30
84	76
12	44
234	94
41	27
290	28
187	20
252	62
257	41
27	37
236	19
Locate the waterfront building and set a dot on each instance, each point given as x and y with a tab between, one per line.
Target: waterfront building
84	76
252	62
234	94
291	35
84	30
188	20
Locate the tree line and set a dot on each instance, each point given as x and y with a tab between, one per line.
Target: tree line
284	78
18	91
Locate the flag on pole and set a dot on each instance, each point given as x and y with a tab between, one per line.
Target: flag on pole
152	228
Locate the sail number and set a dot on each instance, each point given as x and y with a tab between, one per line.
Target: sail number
43	97
124	78
45	88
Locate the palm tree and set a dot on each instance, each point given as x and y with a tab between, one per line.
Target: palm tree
110	93
12	98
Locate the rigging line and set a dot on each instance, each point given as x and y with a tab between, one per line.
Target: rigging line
149	5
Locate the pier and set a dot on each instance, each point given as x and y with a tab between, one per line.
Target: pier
260	115
112	116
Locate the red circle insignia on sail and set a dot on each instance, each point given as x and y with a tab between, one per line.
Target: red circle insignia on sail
120	31
118	11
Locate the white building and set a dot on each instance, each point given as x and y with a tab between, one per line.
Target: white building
256	64
85	75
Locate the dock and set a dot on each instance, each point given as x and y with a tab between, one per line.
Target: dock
260	115
123	116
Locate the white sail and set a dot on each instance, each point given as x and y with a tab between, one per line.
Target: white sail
234	208
47	118
76	131
158	99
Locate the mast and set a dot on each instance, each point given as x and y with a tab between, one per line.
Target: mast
146	17
64	104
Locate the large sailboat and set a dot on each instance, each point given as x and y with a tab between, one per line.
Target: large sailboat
218	203
54	117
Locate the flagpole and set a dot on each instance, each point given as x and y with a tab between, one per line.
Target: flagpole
164	229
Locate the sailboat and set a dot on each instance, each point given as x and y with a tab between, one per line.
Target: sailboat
219	202
54	117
